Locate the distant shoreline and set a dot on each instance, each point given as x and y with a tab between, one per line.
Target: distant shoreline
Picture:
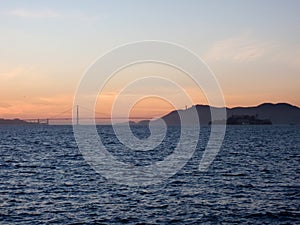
16	122
277	114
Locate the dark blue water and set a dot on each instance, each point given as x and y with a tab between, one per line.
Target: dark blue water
254	180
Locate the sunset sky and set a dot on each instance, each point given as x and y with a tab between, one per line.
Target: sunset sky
253	47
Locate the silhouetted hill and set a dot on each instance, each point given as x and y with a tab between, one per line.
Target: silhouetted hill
13	122
281	113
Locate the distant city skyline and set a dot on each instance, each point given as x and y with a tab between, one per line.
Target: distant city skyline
253	48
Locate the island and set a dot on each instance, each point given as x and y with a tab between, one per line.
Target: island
247	120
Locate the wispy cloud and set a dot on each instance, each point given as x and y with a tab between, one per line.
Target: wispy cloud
79	15
11	74
243	48
34	14
51	13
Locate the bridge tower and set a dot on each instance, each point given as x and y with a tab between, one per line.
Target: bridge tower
77	114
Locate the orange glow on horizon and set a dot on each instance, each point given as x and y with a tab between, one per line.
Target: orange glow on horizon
148	107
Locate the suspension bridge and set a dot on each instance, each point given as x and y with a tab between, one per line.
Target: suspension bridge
66	116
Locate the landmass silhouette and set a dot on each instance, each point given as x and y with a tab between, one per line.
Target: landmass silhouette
13	122
22	122
266	113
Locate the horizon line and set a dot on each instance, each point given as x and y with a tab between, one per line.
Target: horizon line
146	117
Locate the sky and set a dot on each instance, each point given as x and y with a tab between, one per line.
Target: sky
253	48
